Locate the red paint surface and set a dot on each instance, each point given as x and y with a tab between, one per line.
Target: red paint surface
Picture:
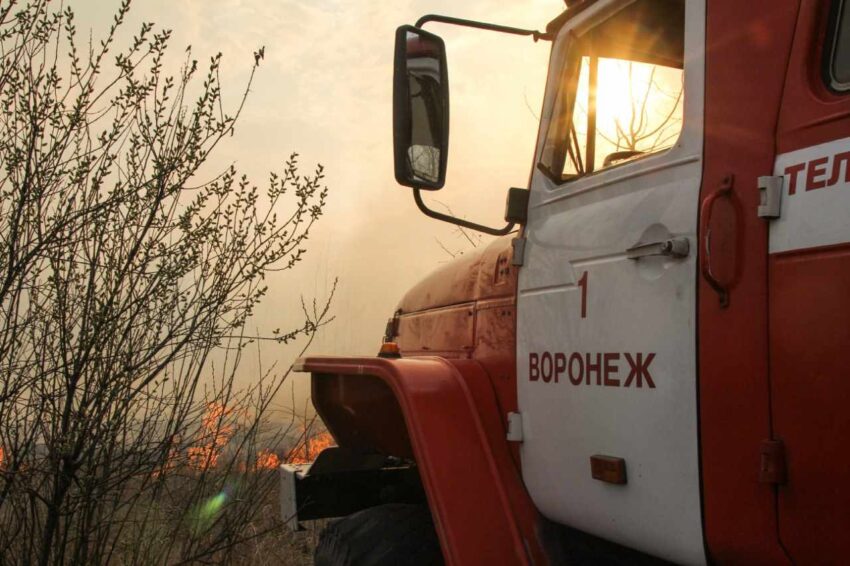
483	273
810	374
467	310
748	45
446	331
809	328
811	114
362	414
482	512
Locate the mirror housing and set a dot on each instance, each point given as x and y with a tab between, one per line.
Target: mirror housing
420	109
516	206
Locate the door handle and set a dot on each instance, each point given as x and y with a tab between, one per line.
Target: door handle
674	247
720	288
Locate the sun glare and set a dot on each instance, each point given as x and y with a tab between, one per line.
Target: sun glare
638	108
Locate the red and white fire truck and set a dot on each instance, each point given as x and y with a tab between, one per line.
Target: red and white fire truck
655	364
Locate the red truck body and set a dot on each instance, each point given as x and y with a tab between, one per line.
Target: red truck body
771	327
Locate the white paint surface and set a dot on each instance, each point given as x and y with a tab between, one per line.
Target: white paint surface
813	218
644	306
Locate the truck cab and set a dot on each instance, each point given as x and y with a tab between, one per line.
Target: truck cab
649	364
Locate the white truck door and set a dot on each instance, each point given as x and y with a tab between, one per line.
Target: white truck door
607	294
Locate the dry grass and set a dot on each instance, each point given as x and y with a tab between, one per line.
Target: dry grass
279	546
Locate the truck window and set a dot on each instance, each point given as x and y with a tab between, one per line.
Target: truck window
838	58
621	91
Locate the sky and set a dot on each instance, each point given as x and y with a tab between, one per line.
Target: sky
324	89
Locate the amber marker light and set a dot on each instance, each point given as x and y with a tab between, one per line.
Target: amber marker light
389	350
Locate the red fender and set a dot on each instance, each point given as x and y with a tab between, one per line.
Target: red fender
482	512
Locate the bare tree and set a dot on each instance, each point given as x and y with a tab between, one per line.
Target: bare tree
644	132
125	287
645	116
466	236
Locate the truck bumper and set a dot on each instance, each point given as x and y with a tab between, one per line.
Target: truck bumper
340	482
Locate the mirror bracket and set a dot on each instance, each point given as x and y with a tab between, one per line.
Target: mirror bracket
417	196
517	198
535	35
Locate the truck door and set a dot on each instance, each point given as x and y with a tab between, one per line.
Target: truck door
809	289
607	384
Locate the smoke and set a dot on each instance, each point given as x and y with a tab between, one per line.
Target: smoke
324	89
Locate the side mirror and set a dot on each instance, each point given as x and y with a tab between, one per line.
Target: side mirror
420	109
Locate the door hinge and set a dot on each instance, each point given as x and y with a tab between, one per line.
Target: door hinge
518	245
772	464
514	427
770	197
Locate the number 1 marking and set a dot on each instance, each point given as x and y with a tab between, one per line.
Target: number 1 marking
583	284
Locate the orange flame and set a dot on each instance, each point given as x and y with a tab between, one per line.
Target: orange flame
169	465
216	432
267	460
309	447
217	429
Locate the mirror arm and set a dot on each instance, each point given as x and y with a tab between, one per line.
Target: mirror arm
417	196
536	35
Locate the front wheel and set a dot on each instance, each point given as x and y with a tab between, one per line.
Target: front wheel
385	535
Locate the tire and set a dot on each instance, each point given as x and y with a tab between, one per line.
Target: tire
385	535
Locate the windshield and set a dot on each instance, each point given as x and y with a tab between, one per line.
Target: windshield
620	93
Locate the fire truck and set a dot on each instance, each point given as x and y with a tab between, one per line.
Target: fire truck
652	362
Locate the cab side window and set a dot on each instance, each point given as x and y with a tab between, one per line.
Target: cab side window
620	95
838	48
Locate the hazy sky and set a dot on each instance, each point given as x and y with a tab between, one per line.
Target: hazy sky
324	89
